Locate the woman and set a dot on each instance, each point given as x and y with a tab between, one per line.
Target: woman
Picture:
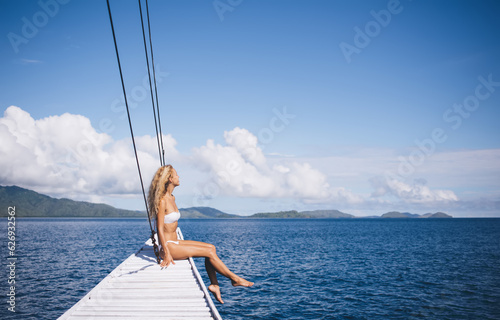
162	205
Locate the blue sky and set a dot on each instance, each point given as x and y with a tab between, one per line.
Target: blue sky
263	106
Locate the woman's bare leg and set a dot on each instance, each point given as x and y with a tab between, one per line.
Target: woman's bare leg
187	249
212	274
214	283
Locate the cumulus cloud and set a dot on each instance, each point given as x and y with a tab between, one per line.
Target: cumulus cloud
240	168
65	155
417	192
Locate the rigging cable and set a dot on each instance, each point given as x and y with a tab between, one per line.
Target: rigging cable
157	125
158	136
154	78
155	247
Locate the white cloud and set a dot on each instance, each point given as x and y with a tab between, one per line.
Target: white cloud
65	155
448	176
241	169
417	192
246	144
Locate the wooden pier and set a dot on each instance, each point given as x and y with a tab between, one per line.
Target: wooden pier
140	289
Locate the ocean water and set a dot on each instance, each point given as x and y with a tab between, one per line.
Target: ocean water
302	269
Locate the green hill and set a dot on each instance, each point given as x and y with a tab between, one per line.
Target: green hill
281	214
328	214
436	215
205	213
397	214
32	204
317	214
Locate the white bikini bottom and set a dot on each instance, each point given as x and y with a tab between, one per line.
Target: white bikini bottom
171	241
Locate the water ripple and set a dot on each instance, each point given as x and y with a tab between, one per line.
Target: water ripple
302	269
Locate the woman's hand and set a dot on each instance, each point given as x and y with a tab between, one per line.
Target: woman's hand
167	259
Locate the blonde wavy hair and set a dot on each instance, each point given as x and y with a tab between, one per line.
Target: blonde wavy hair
158	188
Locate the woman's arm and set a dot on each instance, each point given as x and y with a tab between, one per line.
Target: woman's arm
167	258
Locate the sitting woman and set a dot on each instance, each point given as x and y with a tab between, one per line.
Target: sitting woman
162	205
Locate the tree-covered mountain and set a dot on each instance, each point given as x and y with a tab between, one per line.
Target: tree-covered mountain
29	203
325	214
397	214
436	215
205	213
330	214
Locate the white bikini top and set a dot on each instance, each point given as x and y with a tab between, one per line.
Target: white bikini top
172	217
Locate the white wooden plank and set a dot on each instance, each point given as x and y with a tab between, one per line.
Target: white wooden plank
156	308
142	313
144	294
167	303
153	285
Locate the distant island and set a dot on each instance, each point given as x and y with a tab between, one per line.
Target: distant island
29	203
397	214
317	214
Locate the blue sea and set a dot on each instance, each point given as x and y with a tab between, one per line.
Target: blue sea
302	269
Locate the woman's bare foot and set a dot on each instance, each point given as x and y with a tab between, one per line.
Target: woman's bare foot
216	292
241	282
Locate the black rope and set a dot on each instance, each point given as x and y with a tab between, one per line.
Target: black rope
157	125
150	84
154	78
155	247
